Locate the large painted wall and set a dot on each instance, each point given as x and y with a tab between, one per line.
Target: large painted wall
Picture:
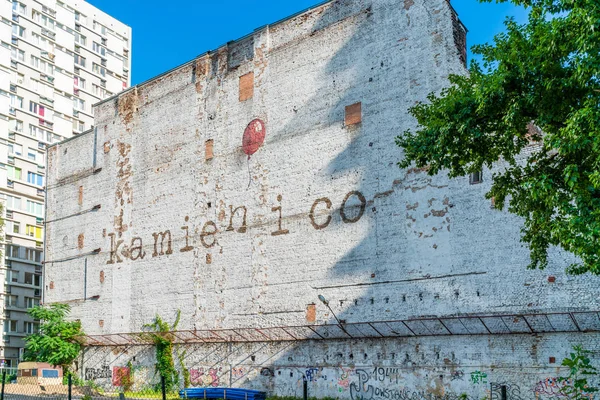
161	209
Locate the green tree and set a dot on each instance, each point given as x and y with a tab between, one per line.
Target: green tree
545	74
163	339
576	385
58	341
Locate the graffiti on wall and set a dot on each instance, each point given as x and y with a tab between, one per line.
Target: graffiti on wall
121	376
478	377
103	372
205	377
553	387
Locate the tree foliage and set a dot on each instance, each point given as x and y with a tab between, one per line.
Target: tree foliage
576	385
163	339
544	73
58	341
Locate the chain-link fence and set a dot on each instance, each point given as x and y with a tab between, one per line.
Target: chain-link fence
71	387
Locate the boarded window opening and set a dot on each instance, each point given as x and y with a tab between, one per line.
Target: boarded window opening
246	86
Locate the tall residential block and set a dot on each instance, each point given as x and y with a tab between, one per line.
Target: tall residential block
57	58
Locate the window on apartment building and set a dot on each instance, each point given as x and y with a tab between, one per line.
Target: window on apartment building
78	126
18	30
31	154
43	20
79	17
98	49
15	149
13	202
16	125
79	104
35	179
12	300
98	27
79	60
30	302
42	65
16	101
13	172
17	54
35	208
36	109
28	278
33	231
18	7
98	69
11	326
79	38
79	82
31	327
16	227
33	255
13	276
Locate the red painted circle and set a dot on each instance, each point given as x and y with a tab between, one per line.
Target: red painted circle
254	136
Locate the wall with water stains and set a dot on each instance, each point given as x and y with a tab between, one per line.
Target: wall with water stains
241	186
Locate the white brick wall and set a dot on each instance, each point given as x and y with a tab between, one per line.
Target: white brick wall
424	246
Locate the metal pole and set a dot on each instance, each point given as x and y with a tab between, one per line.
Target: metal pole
3	382
70	382
305	391
503	392
163	387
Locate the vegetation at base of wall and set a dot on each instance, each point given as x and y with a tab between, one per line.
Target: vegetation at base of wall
187	377
58	341
10	378
533	106
576	385
163	341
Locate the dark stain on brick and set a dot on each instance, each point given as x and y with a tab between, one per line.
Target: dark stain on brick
408	4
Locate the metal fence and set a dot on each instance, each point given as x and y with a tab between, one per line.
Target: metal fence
71	387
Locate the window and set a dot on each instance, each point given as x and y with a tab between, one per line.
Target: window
79	104
16	125
35	208
18	7
80	39
31	154
98	69
16	227
79	60
79	82
98	27
28	279
12	300
36	109
43	20
33	231
78	126
18	30
42	42
13	276
31	302
17	54
82	19
16	149
98	49
13	172
42	65
16	101
13	202
33	255
100	92
476	177
35	179
12	326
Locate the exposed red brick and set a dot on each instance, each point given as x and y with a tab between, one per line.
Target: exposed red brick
551	279
80	198
208	147
51	286
246	86
80	240
311	313
353	114
101	276
101	323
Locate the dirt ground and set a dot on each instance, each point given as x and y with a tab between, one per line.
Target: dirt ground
38	390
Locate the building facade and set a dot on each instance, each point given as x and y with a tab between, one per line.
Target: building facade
255	191
57	58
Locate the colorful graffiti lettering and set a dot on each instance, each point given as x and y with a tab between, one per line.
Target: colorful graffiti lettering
205	378
121	376
344	381
311	374
554	387
237	372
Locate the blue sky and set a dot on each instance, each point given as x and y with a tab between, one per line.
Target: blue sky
167	34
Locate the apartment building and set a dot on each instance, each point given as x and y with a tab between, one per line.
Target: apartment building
57	58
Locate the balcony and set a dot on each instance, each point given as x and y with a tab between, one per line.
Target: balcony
48	33
46	124
41	193
11	160
10	184
12	111
26	254
49	11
